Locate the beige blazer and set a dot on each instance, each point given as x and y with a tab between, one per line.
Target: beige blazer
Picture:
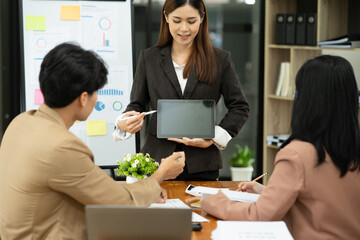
48	176
313	200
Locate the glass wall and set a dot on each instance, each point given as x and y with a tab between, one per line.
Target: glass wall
235	26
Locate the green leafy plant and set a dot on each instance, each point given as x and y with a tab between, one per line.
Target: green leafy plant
242	158
137	165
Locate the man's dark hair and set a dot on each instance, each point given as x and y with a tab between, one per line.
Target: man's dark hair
325	111
67	71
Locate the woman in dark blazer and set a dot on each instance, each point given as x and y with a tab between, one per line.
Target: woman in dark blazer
185	65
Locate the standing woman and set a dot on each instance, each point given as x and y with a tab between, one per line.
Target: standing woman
185	65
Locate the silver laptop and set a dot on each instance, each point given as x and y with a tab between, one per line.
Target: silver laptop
135	223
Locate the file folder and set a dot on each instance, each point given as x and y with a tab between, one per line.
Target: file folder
311	26
300	29
280	28
290	29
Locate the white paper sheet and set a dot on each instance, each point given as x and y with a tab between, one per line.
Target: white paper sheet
238	230
233	195
177	203
199	190
241	196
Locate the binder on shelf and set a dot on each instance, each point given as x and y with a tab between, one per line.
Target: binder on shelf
300	38
311	22
280	28
290	29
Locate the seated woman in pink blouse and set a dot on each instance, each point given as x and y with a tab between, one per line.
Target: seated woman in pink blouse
315	185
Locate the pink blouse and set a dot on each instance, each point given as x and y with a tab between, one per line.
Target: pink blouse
313	200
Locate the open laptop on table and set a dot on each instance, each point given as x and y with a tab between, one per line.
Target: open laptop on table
135	223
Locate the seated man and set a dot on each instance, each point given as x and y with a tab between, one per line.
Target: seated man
47	174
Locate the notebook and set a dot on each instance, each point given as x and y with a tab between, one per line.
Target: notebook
135	223
185	118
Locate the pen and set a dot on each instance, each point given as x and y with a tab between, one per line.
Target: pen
262	175
147	113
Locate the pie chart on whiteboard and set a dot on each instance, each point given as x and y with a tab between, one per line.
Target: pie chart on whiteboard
99	106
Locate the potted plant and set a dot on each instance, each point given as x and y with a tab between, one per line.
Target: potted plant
136	166
241	164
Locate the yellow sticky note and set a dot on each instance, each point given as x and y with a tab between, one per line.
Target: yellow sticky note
96	128
37	23
71	13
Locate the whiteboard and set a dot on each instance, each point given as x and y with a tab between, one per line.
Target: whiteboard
102	26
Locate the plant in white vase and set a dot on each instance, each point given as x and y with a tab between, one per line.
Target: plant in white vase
136	166
241	164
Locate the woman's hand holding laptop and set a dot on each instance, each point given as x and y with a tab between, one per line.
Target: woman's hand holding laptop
194	142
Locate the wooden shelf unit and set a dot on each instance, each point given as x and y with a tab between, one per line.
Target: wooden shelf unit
331	23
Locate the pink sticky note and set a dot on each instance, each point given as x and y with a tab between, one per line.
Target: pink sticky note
39	97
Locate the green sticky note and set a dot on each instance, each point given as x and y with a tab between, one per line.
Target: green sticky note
96	128
37	23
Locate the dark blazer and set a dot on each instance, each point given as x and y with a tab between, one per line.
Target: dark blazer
155	78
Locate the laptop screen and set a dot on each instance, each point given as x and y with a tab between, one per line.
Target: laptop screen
135	223
185	118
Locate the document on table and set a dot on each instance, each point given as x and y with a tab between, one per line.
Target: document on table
177	203
241	196
238	230
199	190
204	192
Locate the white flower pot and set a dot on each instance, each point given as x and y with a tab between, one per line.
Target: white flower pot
241	174
131	179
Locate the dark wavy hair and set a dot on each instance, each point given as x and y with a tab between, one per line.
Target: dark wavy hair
202	57
325	111
67	71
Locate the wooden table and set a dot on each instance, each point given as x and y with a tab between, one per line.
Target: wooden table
176	189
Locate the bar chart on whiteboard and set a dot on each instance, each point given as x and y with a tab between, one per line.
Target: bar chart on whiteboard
103	27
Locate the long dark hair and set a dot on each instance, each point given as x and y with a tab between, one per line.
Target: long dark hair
202	56
325	111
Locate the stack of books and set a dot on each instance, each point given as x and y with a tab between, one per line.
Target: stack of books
284	88
340	42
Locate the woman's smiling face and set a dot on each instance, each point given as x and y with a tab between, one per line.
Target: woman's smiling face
184	23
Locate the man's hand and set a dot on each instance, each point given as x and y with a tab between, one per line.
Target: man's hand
170	167
132	125
163	196
194	142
